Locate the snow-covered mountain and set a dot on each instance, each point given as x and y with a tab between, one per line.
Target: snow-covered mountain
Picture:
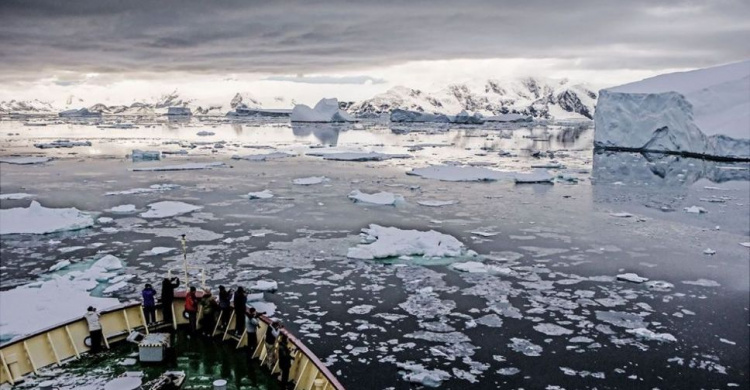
537	97
26	107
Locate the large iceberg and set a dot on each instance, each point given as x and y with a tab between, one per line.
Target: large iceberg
327	110
704	112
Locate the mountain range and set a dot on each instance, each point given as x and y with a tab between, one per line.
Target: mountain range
532	96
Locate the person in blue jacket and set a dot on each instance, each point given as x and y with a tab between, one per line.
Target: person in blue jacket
149	304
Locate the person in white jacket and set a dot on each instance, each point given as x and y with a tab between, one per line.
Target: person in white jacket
95	329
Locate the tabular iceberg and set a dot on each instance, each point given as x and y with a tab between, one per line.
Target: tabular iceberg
327	110
704	112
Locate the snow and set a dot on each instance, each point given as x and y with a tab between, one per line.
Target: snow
358	156
382	242
436	203
42	304
631	277
327	110
168	209
379	198
37	219
15	196
24	160
706	111
123	209
265	194
308	181
262	157
181	167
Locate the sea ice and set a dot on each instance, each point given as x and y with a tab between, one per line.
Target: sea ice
62	143
651	335
360	309
552	329
265	285
537	175
382	242
160	250
168	209
37	219
151	189
357	156
702	283
379	198
181	167
262	157
123	209
15	196
695	210
631	277
525	347
265	194
308	181
145	155
477	267
24	160
437	203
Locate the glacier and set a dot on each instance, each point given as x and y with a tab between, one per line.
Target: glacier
327	110
704	113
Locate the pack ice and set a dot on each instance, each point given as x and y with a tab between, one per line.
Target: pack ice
37	219
327	110
703	112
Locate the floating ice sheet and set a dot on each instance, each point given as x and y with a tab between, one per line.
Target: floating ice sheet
37	219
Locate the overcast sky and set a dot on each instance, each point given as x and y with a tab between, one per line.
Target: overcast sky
308	48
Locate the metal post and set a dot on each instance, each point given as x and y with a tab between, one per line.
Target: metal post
185	262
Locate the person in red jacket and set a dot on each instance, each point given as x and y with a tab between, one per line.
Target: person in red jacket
191	308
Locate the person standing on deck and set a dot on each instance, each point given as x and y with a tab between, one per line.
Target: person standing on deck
95	329
271	334
251	327
225	299
191	308
149	304
240	305
167	297
285	360
208	319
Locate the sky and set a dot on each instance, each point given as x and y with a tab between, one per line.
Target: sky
118	52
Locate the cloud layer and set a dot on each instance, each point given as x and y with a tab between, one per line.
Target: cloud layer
290	37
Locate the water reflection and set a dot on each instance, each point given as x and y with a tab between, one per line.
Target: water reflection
325	133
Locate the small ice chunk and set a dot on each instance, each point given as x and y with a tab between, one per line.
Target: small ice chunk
123	209
632	277
437	203
382	242
308	181
360	309
552	329
59	265
262	157
145	155
168	209
709	252
265	285
15	196
265	194
702	283
621	215
651	335
160	250
695	210
181	167
24	160
379	198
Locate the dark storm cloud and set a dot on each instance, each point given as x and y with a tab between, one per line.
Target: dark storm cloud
290	37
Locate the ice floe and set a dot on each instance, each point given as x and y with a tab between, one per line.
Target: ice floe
62	143
525	347
151	189
436	203
263	157
37	219
308	181
552	329
477	267
24	160
651	335
382	242
181	167
695	210
702	283
168	209
631	277
160	250
123	209
473	173
265	194
357	156
378	198
16	196
264	285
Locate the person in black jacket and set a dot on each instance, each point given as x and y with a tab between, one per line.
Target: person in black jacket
167	297
240	305
225	302
285	360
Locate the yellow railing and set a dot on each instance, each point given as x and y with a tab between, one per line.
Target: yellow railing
59	343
